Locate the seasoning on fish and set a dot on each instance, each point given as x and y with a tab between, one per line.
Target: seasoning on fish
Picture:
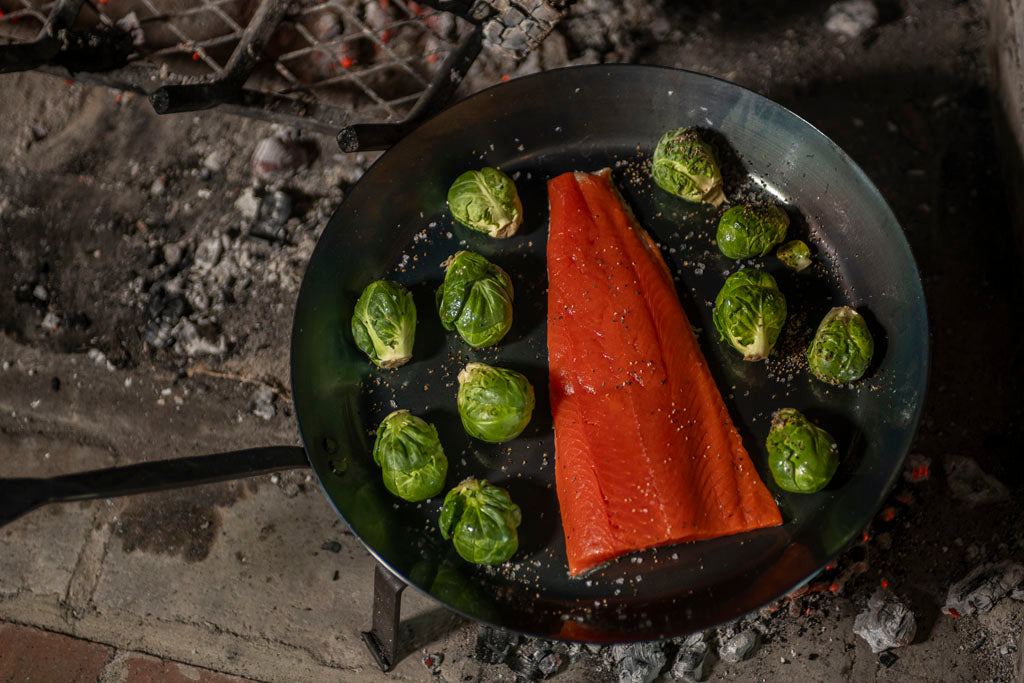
645	451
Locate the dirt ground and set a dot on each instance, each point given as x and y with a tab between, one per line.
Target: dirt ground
126	240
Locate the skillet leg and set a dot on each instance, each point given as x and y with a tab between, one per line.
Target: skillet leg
382	638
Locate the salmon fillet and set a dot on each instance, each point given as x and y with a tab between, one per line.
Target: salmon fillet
645	451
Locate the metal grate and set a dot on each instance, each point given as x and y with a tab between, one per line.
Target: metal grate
322	62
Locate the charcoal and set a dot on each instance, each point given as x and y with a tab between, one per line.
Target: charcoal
886	623
494	645
738	647
433	661
983	588
172	254
331	546
851	18
971	484
164	314
689	662
190	341
918	468
534	660
887	658
639	662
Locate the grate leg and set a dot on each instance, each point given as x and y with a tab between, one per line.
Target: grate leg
382	638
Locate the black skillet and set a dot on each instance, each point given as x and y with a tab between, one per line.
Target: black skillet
394	224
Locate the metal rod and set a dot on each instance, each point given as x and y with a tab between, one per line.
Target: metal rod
383	637
171	99
365	137
18	496
43	50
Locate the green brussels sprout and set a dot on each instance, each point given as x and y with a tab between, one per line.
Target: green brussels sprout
475	299
748	231
481	520
685	166
384	323
410	456
794	254
750	312
495	404
802	456
842	347
486	201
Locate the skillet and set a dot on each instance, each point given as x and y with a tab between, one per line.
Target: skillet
394	224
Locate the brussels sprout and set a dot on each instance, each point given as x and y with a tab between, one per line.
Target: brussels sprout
475	299
795	254
384	323
486	201
802	456
750	312
410	456
842	347
481	520
495	404
686	166
747	231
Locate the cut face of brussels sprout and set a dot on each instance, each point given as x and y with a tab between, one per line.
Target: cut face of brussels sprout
748	231
750	312
495	404
412	462
686	166
842	347
802	456
475	299
481	520
384	323
794	254
486	201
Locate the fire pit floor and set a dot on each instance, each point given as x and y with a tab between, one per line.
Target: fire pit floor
151	278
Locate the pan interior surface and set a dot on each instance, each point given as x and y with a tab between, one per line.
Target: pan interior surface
394	224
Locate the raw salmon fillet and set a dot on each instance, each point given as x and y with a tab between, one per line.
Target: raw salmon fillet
645	451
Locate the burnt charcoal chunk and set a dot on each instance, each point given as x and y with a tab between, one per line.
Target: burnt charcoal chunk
494	645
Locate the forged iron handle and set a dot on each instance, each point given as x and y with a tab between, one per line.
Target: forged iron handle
18	496
373	137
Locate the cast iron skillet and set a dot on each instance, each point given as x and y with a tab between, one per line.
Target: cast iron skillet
394	224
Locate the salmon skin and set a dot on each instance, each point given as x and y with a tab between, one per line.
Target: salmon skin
645	451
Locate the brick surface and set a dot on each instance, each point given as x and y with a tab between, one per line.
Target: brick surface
30	654
142	669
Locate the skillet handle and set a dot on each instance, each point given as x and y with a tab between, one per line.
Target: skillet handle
18	496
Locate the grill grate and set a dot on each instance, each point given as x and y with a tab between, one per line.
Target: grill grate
317	64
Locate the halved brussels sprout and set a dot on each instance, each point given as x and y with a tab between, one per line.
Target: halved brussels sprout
751	230
409	453
481	520
750	312
486	201
842	347
686	166
802	456
794	254
384	323
495	404
475	299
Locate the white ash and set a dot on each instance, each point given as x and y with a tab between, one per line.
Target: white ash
886	622
50	322
983	587
261	403
970	484
851	18
99	358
